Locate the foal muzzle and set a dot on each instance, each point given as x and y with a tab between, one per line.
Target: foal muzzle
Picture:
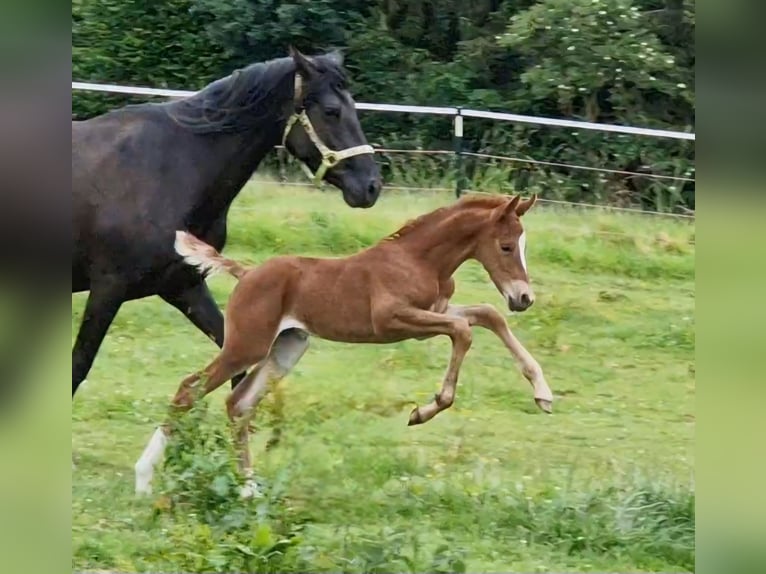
519	296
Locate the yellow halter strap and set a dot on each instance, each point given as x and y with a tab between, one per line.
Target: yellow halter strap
330	158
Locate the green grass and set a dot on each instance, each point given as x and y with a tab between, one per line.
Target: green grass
604	484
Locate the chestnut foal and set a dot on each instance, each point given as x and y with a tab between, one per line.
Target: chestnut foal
395	290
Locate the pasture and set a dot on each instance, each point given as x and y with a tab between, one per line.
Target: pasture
605	483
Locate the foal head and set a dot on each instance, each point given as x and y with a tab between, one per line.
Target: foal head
501	250
337	150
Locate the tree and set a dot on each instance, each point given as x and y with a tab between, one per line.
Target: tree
158	43
619	61
602	61
595	58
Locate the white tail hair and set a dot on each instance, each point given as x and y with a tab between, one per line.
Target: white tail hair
205	257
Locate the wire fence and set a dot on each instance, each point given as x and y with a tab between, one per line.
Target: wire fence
531	161
458	112
572	204
285	180
576	166
457	156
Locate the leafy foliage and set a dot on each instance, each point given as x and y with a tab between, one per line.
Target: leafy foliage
160	44
209	527
616	61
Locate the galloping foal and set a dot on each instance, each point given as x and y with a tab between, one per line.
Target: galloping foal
395	290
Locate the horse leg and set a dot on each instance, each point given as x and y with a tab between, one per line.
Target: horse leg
286	351
428	323
222	368
488	317
197	304
103	303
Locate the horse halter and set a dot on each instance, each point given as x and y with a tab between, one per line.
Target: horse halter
330	158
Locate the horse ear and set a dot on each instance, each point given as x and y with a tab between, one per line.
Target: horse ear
525	205
504	211
303	65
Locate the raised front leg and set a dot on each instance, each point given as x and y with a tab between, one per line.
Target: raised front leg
419	323
197	304
488	317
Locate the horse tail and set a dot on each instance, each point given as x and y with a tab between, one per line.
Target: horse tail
205	257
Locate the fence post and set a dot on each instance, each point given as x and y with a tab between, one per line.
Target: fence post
458	131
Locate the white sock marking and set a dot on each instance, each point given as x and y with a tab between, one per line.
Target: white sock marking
149	458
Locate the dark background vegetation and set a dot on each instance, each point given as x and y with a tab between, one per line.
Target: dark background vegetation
614	61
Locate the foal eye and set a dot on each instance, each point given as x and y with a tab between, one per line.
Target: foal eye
506	248
332	111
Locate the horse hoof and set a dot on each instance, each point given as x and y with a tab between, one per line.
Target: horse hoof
414	418
546	406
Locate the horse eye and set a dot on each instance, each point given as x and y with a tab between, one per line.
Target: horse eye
506	248
332	111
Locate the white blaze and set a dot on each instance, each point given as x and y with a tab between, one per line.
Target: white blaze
523	249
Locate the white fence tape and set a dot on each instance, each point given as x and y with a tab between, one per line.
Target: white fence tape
448	111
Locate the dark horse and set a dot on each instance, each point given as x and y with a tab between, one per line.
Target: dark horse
142	172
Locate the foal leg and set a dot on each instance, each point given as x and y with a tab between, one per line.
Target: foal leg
100	310
288	358
213	376
279	417
420	323
197	304
287	350
488	317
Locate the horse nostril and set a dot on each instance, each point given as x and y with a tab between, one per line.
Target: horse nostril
526	301
373	187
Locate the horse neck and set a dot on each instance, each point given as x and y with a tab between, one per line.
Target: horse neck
243	152
449	242
239	155
234	156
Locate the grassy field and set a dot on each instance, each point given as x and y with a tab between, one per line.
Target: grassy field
604	484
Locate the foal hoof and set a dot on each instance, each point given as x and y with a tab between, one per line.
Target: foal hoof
415	418
545	405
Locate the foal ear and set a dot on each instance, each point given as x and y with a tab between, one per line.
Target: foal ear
303	65
525	205
504	211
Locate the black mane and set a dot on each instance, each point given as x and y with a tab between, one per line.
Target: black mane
243	99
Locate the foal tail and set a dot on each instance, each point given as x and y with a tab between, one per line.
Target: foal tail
205	257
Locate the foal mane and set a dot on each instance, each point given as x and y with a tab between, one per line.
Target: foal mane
473	201
243	99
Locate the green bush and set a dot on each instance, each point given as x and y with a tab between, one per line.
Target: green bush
627	62
209	527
